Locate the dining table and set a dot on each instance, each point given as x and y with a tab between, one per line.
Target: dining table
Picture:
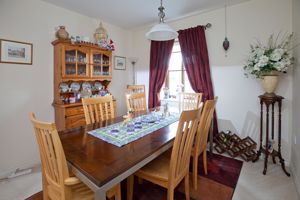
102	165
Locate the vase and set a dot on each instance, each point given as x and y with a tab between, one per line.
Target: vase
269	83
62	34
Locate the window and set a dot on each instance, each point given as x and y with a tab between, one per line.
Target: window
177	77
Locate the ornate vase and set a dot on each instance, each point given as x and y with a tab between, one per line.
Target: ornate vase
100	34
269	83
62	34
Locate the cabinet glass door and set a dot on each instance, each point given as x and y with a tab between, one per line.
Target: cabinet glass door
105	65
70	61
97	59
82	63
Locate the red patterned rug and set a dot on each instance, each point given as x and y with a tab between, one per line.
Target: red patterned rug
219	184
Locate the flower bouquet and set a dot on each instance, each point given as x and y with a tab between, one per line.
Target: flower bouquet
276	56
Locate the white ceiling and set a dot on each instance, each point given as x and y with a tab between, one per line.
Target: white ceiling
135	13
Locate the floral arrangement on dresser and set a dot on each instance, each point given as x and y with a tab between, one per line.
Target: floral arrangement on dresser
273	57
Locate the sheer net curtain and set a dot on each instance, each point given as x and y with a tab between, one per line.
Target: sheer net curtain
160	54
195	59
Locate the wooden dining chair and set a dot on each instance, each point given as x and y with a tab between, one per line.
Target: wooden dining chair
136	88
136	102
169	170
57	182
97	109
201	137
190	101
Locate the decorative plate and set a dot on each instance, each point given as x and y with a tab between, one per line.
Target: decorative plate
86	86
75	87
63	87
98	85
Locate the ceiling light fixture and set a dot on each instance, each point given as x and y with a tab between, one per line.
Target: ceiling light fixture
161	31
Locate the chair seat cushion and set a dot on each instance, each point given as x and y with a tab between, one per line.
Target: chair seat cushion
81	191
158	168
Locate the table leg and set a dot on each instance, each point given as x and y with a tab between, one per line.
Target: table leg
282	164
266	163
261	133
100	195
267	139
281	160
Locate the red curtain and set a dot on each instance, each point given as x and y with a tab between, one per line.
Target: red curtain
195	59
160	54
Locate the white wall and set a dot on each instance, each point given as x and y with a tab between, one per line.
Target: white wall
238	105
295	160
26	88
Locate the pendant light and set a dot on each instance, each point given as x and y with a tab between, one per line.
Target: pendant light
161	31
226	43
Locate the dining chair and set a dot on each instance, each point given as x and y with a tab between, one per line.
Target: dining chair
201	137
190	101
136	102
170	168
136	88
57	182
97	109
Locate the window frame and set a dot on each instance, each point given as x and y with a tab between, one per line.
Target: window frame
182	70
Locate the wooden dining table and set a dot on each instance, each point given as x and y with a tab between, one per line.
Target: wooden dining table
101	165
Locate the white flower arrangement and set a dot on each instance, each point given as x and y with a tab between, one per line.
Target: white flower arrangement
275	56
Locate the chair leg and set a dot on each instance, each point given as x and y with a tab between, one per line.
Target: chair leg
118	192
187	187
195	171
170	194
205	161
45	188
130	182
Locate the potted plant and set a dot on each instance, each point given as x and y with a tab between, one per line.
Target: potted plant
266	62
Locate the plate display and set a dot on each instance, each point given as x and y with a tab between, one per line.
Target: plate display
75	86
98	85
86	86
63	87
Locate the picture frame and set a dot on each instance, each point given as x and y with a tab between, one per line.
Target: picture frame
120	63
15	52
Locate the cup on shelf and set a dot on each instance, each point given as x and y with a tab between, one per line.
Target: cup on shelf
72	99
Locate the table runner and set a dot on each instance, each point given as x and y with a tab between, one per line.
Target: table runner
123	133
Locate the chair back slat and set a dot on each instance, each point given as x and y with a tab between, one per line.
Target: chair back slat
136	102
98	109
204	125
53	159
191	101
181	151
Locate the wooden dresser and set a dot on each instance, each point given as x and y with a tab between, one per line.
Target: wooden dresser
80	70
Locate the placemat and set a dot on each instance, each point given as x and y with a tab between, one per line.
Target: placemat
124	132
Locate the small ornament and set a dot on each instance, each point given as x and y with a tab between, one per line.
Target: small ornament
100	34
61	33
111	45
103	44
226	44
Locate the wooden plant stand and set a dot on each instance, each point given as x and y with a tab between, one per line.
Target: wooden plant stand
235	146
269	100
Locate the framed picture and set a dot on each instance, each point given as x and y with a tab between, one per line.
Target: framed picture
120	63
15	52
